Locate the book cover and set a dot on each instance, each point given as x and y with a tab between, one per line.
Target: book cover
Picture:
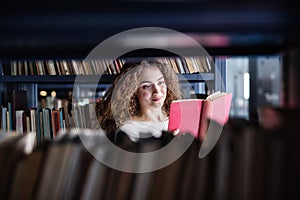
185	116
193	115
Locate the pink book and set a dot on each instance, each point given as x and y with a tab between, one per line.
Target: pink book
192	115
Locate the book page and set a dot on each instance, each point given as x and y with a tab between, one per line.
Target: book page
215	95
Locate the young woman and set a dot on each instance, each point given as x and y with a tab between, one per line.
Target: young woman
139	100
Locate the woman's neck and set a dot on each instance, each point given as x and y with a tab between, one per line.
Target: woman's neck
153	115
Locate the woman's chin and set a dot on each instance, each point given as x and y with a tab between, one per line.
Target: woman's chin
157	103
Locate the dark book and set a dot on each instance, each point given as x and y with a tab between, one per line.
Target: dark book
39	124
8	156
185	66
31	67
26	176
64	172
166	180
78	163
19	102
97	176
62	117
53	171
13	149
66	113
6	67
47	123
26	121
1	108
3	119
19	121
55	117
33	122
9	117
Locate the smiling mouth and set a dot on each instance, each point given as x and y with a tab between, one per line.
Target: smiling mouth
157	99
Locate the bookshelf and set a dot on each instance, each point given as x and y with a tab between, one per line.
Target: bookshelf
104	79
57	79
35	76
65	29
102	72
61	33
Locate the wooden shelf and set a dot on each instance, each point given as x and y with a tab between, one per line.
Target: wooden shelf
57	79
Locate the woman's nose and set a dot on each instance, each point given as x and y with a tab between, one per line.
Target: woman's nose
155	88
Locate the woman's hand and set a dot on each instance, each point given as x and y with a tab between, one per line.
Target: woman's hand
175	132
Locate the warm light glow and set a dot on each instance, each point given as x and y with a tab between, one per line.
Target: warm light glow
43	93
246	85
53	94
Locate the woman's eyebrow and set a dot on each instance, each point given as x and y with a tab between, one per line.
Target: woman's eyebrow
151	81
145	82
160	78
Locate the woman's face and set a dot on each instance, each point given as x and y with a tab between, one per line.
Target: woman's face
152	88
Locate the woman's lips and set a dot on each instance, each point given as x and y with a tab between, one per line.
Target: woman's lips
156	99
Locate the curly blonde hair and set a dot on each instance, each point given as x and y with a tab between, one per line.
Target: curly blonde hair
120	102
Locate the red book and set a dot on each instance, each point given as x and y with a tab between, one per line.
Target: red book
55	122
193	115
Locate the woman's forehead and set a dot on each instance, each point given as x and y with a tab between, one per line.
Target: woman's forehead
150	73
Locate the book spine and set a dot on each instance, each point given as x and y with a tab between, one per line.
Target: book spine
19	121
55	122
4	122
205	117
9	117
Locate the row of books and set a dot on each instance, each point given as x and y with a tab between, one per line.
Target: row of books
247	162
98	67
48	123
189	65
44	122
62	67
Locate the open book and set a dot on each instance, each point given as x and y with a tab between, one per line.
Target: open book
193	115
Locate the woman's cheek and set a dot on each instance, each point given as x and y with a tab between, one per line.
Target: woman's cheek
144	95
164	91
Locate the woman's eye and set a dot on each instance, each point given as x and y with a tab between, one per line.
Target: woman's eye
161	83
146	86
